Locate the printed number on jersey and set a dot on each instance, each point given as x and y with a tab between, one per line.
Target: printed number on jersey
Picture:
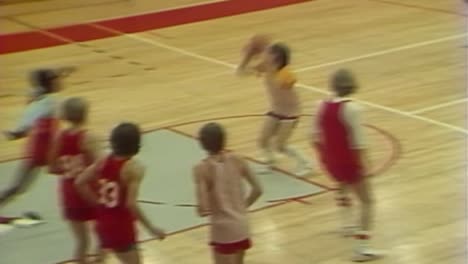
108	193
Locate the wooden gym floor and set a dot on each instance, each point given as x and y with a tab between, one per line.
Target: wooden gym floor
410	59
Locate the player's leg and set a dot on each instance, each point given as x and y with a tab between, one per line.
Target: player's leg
343	201
223	258
99	254
239	257
128	255
284	132
363	191
23	179
81	232
268	130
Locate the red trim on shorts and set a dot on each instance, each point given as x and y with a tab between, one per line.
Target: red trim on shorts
231	248
118	235
343	201
362	237
281	117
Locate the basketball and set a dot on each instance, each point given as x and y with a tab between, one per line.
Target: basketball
257	44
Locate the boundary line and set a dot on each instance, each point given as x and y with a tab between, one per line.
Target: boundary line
438	106
304	86
384	52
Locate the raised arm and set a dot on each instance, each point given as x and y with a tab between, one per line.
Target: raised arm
60	72
252	50
31	114
65	71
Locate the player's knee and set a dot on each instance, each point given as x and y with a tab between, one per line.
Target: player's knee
262	142
281	148
367	201
82	242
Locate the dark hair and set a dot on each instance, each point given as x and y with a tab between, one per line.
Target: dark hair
75	110
343	82
125	139
282	54
44	80
212	138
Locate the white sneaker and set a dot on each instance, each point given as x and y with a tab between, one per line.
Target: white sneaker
366	255
348	231
267	164
28	219
264	169
303	169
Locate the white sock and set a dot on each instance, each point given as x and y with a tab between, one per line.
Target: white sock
268	156
345	211
297	155
362	239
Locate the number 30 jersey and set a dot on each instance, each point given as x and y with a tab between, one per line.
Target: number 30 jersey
112	191
115	223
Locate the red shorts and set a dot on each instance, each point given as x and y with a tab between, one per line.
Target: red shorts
75	208
117	235
37	158
231	248
38	149
345	174
82	214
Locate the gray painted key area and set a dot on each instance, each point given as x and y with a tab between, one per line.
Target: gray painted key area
169	158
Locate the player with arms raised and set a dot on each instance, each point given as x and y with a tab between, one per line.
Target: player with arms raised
285	110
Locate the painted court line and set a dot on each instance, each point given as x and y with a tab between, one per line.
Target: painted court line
277	169
162	45
384	52
30	40
304	86
420	7
395	146
63	8
158	10
438	106
393	110
42	31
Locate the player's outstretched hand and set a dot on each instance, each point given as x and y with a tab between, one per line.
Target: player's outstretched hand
13	135
67	70
8	135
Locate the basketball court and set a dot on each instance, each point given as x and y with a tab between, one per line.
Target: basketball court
169	65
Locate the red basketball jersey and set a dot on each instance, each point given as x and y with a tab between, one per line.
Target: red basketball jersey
40	139
115	221
112	190
72	160
338	155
